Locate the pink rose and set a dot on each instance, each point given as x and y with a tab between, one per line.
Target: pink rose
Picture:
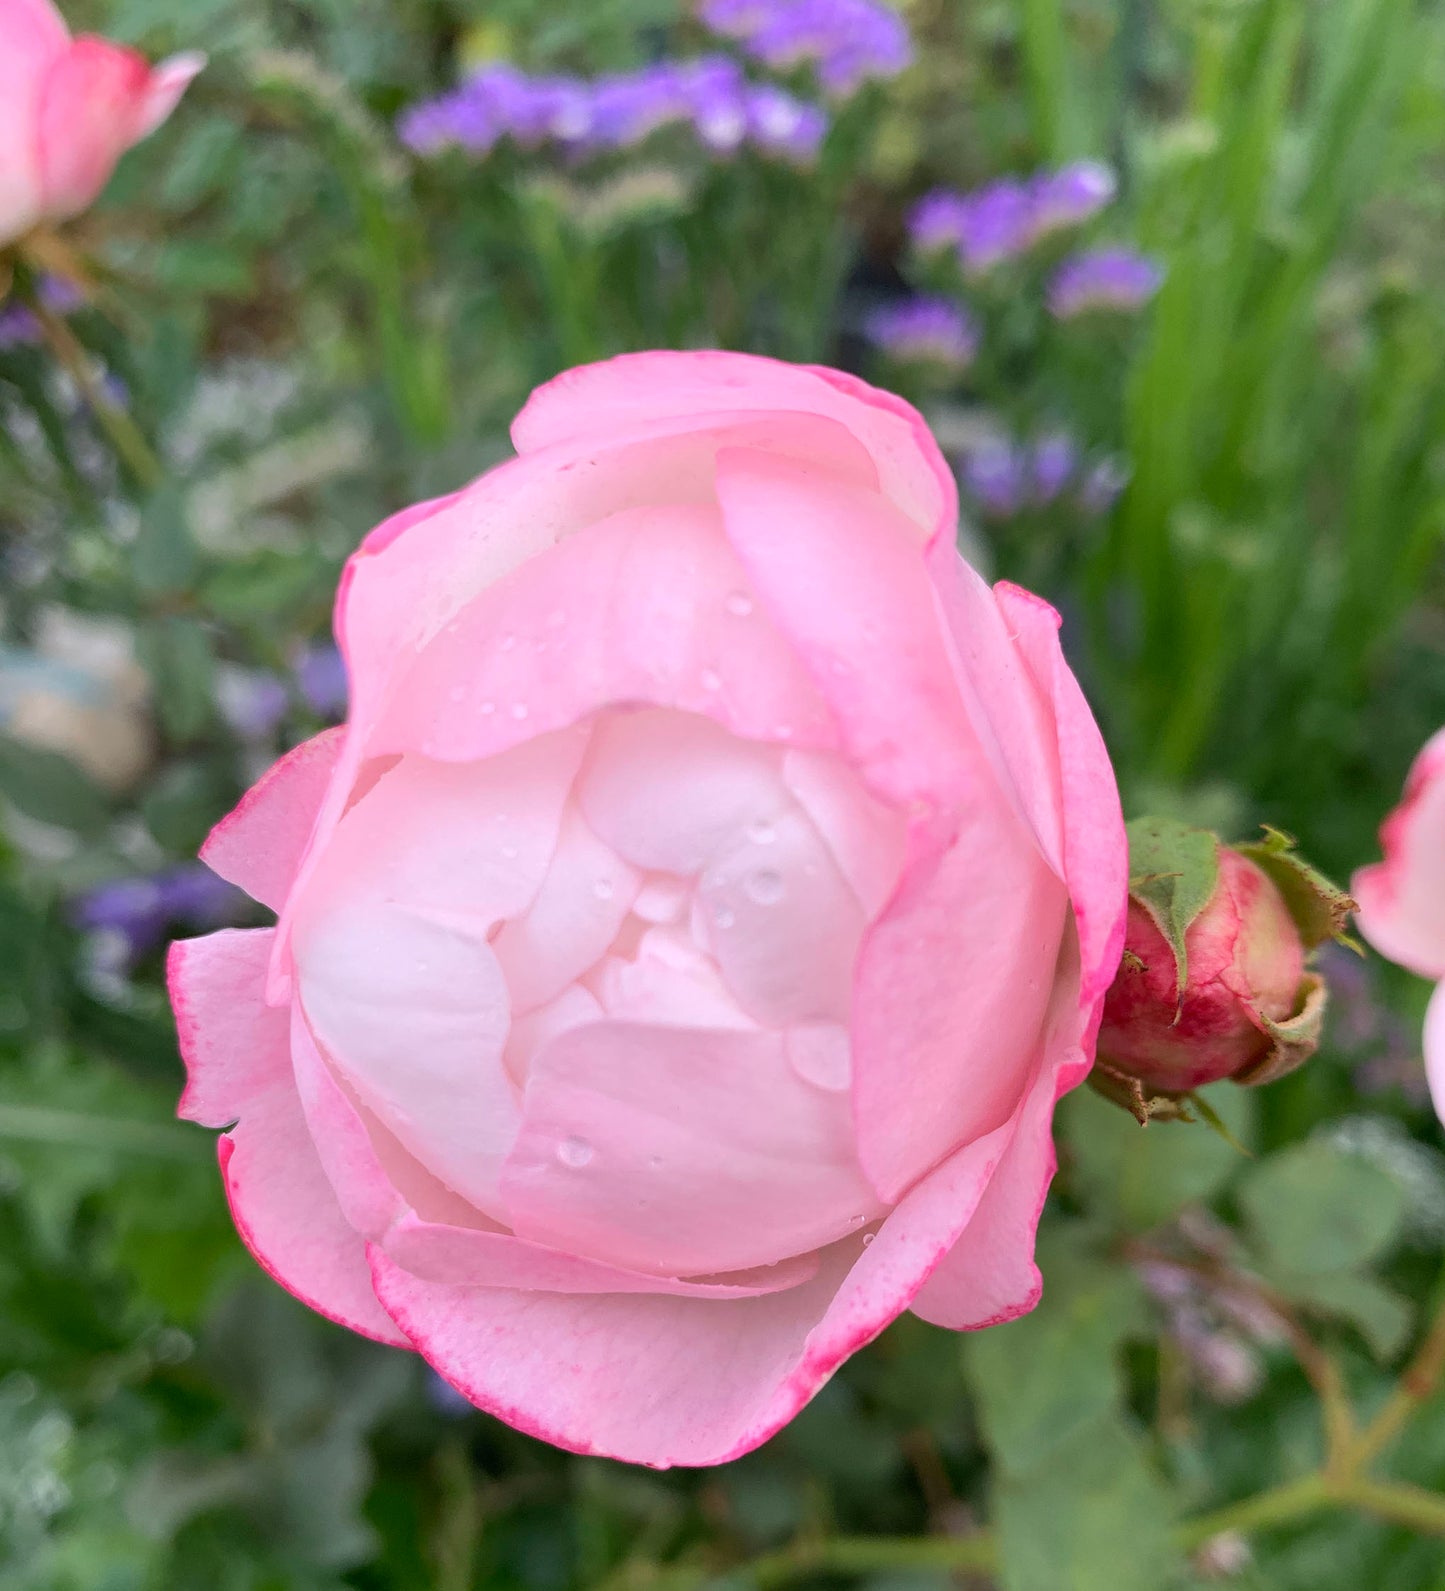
69	109
1402	899
1244	966
684	943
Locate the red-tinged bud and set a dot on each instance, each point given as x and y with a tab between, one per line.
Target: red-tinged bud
1214	982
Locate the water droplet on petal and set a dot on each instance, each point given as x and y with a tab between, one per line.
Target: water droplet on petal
520	711
738	603
868	1238
762	832
820	1053
456	693
506	643
575	1153
604	889
724	917
486	709
710	679
765	887
556	619
509	852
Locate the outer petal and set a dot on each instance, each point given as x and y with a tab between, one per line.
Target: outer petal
91	110
614	397
259	846
32	38
383	1192
953	980
620	1375
990	1276
236	1055
1402	899
1435	1049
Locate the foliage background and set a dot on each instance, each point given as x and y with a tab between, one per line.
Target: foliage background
318	329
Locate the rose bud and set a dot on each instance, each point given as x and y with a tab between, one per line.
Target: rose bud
1402	898
684	942
1213	982
69	109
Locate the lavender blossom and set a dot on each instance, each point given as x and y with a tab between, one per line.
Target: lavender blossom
780	124
932	331
996	476
1070	196
997	225
18	325
1102	486
321	679
251	701
936	223
138	912
1103	279
847	41
1053	461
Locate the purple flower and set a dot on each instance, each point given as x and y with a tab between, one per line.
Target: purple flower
780	124
251	701
1053	461
1103	279
996	475
139	911
997	225
932	331
937	221
1070	196
18	325
848	41
321	678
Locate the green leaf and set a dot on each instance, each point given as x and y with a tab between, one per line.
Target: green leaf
1143	1176
1320	909
164	556
1173	870
1314	1209
1094	1517
1045	1376
1382	1317
177	655
50	788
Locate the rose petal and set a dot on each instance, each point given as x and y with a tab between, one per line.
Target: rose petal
681	1151
866	838
1435	1049
239	1068
32	37
91	111
1402	899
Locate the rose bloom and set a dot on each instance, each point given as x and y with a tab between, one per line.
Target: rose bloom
1244	963
684	942
1402	898
69	109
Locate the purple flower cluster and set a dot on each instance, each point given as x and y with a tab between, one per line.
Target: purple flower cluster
590	116
1103	279
138	912
255	702
931	331
1004	477
847	42
18	325
1005	219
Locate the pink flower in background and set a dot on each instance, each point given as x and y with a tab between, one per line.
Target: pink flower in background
69	109
1402	899
683	944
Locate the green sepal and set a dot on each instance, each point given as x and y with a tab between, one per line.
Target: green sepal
1173	871
1320	909
1295	1039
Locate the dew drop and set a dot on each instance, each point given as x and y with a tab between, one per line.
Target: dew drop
556	619
724	917
486	709
765	887
575	1153
868	1238
456	693
738	603
520	711
762	832
506	643
820	1053
604	889
710	679
654	1162
509	853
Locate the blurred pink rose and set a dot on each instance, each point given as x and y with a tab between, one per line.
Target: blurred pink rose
684	942
1402	899
69	109
1245	966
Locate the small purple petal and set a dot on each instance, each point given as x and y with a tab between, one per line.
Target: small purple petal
997	225
252	702
1103	279
937	221
321	678
780	124
997	478
1055	459
932	331
1071	196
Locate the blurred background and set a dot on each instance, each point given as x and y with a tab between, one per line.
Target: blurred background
1168	278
